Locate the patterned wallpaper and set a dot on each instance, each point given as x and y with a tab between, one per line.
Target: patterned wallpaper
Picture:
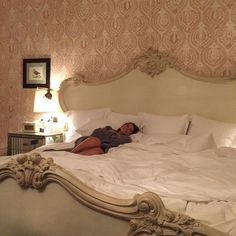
99	37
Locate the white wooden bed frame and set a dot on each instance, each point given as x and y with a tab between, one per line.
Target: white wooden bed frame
50	201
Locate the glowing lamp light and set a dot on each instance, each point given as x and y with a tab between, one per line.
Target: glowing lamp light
46	101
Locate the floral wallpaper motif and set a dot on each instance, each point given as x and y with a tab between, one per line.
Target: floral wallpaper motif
99	37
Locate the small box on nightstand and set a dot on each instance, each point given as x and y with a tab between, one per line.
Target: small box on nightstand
30	127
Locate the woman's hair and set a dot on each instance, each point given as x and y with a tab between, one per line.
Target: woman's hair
136	128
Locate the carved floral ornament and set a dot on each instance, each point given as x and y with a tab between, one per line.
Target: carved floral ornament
154	219
29	170
152	62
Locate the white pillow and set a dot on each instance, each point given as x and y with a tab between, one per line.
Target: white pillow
181	142
223	133
196	143
70	136
137	138
229	152
113	119
78	118
233	144
163	124
117	119
158	138
89	127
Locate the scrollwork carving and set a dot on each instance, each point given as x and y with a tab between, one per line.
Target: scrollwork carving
153	62
76	80
154	219
29	170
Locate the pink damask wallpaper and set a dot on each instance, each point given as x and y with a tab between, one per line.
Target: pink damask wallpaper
99	37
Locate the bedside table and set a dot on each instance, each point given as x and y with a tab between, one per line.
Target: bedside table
20	142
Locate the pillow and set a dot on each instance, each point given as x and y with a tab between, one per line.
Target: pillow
223	133
70	136
161	138
113	119
229	152
181	142
189	143
163	124
117	119
137	138
233	144
78	118
89	127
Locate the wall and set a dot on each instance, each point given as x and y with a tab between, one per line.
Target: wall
99	37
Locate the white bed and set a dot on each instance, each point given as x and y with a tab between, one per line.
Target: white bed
118	193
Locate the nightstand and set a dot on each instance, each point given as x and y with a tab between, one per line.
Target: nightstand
20	142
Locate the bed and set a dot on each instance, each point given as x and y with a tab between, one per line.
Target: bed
175	178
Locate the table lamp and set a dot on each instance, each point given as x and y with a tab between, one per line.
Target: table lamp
46	101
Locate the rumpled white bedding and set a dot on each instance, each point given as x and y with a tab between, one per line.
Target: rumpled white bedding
189	175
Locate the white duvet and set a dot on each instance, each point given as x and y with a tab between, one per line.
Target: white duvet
161	165
188	173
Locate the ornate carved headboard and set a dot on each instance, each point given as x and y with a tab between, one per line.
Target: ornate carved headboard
155	83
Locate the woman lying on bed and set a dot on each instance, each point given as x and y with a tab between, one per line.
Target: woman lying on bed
102	139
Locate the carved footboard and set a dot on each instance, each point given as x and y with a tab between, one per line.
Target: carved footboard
145	214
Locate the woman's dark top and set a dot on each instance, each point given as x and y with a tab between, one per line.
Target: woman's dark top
108	136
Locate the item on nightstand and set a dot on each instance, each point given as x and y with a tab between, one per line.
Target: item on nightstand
41	126
30	127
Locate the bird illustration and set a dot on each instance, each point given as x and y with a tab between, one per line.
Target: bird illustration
36	72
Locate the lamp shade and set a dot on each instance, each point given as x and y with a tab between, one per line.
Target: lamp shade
43	104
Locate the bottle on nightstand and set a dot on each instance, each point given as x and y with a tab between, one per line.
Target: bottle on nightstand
41	126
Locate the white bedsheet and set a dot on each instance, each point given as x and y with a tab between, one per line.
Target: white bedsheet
201	184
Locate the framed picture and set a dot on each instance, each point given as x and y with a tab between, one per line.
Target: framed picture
36	72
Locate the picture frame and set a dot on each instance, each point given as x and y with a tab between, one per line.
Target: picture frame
36	72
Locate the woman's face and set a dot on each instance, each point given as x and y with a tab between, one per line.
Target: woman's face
127	129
